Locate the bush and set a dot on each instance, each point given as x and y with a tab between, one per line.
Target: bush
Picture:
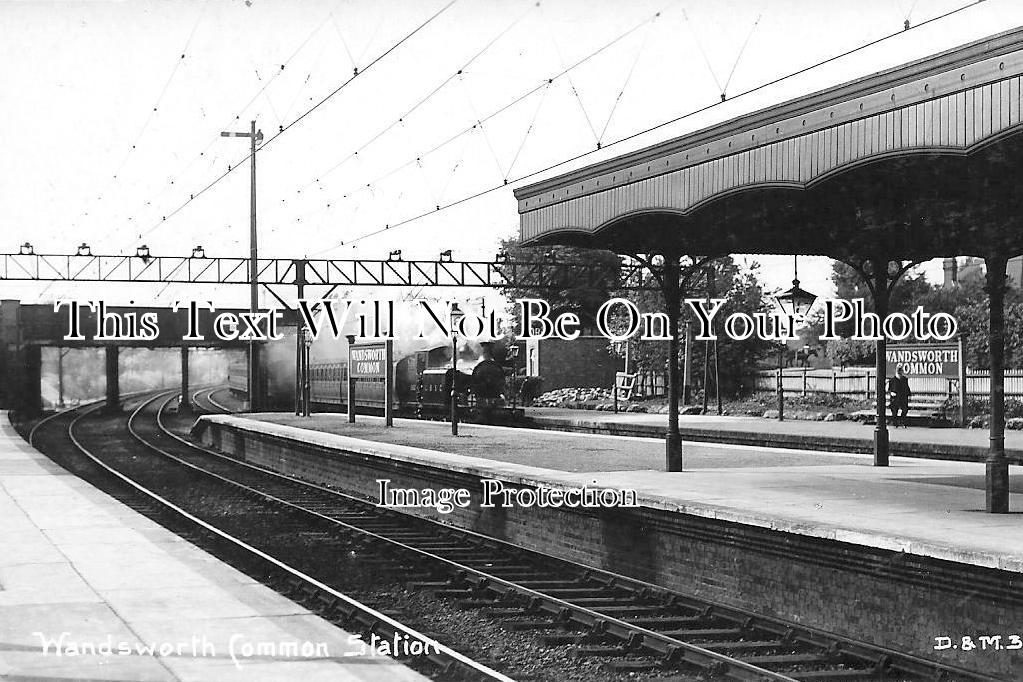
980	406
531	388
820	400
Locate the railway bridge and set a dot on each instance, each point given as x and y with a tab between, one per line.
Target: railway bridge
26	329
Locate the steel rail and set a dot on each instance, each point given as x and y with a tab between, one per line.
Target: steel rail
867	653
379	619
92	406
672	649
198	399
218	405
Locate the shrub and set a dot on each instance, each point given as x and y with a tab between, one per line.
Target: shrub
531	388
980	406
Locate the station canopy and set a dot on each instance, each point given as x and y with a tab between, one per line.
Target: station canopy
920	161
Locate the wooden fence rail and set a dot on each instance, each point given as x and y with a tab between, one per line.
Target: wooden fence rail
861	381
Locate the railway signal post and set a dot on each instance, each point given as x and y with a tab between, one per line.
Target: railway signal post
255	137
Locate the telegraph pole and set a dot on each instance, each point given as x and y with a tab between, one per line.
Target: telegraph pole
253	350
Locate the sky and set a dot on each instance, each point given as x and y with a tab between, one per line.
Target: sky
113	111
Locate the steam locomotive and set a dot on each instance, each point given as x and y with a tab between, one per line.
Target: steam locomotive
423	380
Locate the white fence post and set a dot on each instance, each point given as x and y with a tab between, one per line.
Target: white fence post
861	382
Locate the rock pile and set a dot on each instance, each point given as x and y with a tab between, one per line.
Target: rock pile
561	396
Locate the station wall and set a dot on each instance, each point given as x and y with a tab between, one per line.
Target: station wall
584	362
891	599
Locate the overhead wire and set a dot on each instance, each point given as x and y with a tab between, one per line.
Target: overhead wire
699	46
305	83
481	128
908	13
145	125
724	90
571	83
353	241
300	118
237	115
151	112
625	84
423	100
529	129
344	43
454	170
497	112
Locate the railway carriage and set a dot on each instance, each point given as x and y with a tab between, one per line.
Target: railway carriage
277	385
422	389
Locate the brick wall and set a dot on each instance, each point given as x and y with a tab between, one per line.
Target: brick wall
891	599
584	362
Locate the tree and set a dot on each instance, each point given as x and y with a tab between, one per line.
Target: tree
847	352
905	295
565	293
967	302
737	360
973	317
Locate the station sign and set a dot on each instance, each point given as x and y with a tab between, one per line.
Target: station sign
924	359
368	361
371	365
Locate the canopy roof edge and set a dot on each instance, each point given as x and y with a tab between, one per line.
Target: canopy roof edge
987	48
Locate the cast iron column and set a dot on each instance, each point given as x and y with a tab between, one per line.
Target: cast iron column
672	294
113	387
781	381
31	401
184	404
454	383
307	392
299	337
997	475
687	366
60	377
881	291
299	365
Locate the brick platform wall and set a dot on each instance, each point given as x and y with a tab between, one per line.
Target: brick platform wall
891	599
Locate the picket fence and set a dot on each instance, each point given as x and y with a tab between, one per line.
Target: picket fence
861	381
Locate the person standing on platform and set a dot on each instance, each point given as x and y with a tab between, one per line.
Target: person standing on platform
898	397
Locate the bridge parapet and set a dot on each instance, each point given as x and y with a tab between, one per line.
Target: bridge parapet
40	325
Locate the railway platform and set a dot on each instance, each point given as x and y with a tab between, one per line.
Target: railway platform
902	556
918	506
90	589
844	436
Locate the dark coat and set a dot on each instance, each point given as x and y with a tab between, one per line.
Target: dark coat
899	388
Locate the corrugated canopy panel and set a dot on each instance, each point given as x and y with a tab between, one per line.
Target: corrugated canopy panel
949	104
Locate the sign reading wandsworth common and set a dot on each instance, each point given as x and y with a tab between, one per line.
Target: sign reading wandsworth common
368	361
923	359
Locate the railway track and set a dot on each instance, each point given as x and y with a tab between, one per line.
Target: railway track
204	401
59	436
636	626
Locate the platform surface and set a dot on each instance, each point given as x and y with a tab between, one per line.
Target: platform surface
926	507
79	569
839	435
